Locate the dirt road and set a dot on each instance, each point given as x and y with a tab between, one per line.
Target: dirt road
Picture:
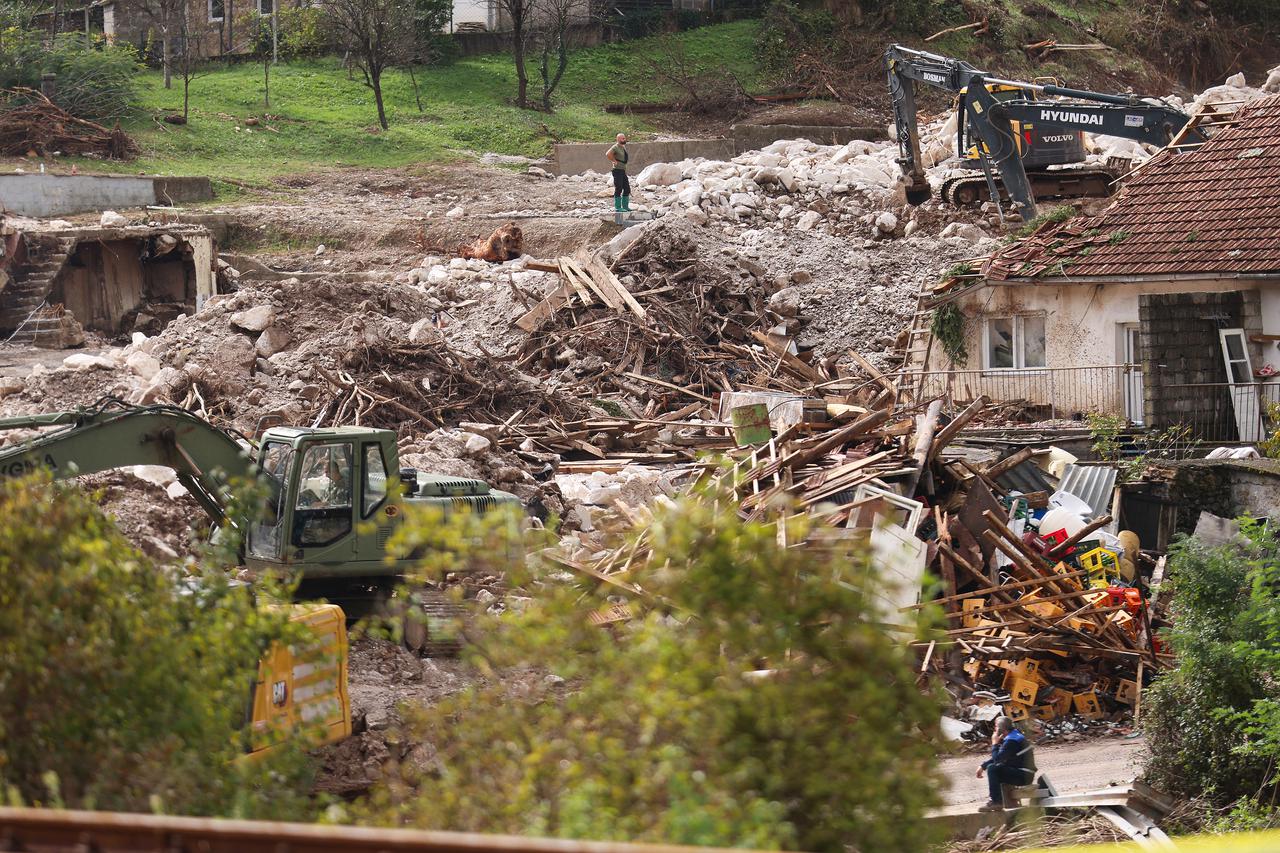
1072	767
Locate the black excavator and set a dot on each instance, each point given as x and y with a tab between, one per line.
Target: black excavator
1031	133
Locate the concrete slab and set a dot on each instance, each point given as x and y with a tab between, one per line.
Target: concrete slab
753	137
45	196
576	158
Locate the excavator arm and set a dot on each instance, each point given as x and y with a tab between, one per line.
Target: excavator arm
114	434
990	119
905	68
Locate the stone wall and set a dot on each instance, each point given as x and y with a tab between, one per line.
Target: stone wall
1182	354
574	159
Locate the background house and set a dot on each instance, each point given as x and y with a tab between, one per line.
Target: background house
1165	308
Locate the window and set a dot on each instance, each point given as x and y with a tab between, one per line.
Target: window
217	10
323	511
375	479
264	536
1014	343
267	7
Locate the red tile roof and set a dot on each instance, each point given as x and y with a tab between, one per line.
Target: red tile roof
1212	210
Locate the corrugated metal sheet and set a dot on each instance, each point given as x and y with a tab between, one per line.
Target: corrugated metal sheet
1215	209
1092	484
1026	477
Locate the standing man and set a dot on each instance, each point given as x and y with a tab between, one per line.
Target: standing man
1011	762
617	156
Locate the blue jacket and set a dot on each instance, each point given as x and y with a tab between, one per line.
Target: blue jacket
1008	752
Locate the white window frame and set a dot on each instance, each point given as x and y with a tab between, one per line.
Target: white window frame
1019	347
220	18
275	5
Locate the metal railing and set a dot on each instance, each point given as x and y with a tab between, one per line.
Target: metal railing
1218	411
1042	393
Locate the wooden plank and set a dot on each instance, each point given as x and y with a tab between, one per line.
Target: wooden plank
544	310
567	273
611	280
665	384
787	358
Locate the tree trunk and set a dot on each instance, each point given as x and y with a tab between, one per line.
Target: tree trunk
522	75
186	93
266	81
417	96
166	58
375	80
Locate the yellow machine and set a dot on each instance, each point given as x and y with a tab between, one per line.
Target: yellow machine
301	690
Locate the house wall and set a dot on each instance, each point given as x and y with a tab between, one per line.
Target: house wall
1083	329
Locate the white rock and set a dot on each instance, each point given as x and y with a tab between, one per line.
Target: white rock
437	275
273	339
143	365
1272	86
809	220
10	385
660	175
111	219
1236	80
137	339
696	215
690	196
84	361
972	233
475	444
254	319
886	222
424	331
175	490
455	213
786	302
320	250
744	200
156	475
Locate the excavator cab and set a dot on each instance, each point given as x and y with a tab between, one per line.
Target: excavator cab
329	511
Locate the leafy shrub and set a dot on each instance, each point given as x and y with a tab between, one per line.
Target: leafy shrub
95	80
639	23
788	30
301	32
1211	723
121	686
752	699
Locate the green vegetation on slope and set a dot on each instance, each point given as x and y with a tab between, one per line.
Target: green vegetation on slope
320	118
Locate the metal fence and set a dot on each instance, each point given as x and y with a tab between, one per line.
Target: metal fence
1049	393
1210	411
1218	411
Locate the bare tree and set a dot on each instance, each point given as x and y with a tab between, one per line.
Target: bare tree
377	34
166	16
192	55
552	34
520	14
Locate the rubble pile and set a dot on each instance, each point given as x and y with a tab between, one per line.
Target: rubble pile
30	122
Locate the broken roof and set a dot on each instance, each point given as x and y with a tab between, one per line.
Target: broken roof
1213	210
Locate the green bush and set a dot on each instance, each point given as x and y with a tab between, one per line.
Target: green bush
122	686
1211	723
787	31
95	80
751	700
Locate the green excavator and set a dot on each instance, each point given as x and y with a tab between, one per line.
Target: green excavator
334	498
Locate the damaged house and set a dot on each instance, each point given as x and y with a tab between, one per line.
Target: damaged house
1164	308
55	282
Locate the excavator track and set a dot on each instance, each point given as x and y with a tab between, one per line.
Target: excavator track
970	188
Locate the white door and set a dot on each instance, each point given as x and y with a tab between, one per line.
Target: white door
1132	359
1244	392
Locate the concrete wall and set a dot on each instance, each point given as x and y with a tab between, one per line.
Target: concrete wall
1083	328
61	195
576	158
753	137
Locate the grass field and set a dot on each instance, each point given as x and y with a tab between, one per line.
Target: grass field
319	118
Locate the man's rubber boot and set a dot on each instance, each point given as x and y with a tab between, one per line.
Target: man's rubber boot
626	204
617	202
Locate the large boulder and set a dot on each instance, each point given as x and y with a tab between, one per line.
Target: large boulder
142	364
273	340
660	175
254	319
